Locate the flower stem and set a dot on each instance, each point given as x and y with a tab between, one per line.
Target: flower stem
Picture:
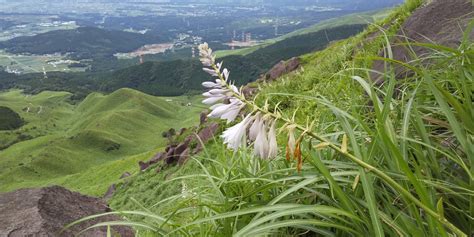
387	179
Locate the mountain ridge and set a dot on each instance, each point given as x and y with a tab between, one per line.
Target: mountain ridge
75	138
80	43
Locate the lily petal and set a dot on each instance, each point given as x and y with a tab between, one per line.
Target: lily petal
234	136
272	142
212	100
209	84
254	129
261	142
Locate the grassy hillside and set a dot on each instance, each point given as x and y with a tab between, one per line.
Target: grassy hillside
61	140
374	162
301	87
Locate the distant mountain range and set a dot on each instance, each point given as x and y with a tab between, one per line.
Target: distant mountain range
346	4
171	78
83	42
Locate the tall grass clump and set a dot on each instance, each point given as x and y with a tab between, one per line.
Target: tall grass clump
395	160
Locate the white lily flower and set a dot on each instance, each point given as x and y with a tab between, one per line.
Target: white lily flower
206	62
291	143
234	136
262	132
261	142
212	100
221	82
226	74
218	91
216	105
211	72
272	142
219	110
254	129
231	114
209	84
207	59
227	111
235	89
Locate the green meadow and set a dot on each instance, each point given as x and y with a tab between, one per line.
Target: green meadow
86	145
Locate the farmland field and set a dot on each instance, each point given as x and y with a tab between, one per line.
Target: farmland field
34	63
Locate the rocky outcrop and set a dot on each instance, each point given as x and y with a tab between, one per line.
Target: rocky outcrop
184	156
281	68
442	22
110	192
157	158
203	117
45	211
205	135
125	175
112	188
180	153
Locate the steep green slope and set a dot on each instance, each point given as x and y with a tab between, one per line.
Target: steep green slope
63	139
149	188
374	161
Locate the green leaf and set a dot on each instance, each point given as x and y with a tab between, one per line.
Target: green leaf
439	207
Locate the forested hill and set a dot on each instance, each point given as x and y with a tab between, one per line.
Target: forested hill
83	42
181	76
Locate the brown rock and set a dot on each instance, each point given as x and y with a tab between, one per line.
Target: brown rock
180	148
45	211
205	135
203	117
125	175
292	64
110	192
282	68
143	165
169	151
184	157
174	154
441	22
170	158
189	139
157	158
249	91
208	132
182	131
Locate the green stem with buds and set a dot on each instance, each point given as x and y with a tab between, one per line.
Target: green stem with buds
369	168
